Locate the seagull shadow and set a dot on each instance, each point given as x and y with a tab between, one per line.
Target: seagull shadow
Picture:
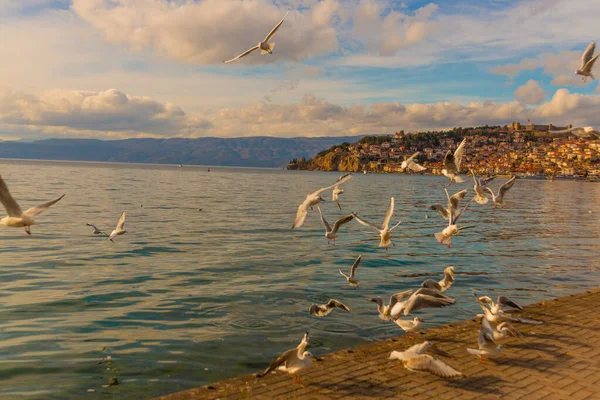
488	384
535	363
358	387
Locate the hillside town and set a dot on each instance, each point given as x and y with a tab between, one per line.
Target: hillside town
520	149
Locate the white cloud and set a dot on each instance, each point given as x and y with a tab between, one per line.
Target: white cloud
112	113
210	31
530	93
385	32
560	66
108	112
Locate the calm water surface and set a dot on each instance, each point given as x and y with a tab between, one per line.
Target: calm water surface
188	297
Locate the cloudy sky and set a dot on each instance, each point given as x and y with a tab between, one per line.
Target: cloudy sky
153	68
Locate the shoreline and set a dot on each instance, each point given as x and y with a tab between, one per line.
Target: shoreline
545	364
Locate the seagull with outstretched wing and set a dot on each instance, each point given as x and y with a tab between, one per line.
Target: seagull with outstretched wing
264	46
587	62
17	218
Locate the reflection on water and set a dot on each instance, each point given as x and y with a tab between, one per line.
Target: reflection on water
187	297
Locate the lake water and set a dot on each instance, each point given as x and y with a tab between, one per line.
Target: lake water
188	297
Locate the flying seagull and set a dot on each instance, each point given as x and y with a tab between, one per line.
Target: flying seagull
499	200
582	131
587	62
497	315
264	46
384	231
452	163
312	199
487	347
410	325
411	164
479	187
17	218
452	229
324	309
504	329
422	298
331	233
119	229
291	361
501	302
414	359
442	285
453	204
351	278
96	231
385	311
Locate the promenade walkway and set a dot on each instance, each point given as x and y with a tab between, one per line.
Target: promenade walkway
557	360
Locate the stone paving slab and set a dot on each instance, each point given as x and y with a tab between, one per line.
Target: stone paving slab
557	360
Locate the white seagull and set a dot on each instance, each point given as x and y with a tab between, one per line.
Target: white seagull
587	62
312	199
119	229
351	278
335	196
452	163
453	204
331	233
504	329
410	325
480	187
291	361
445	236
96	231
582	131
385	311
414	359
422	298
321	310
442	285
498	315
384	231
500	303
16	217
487	347
499	200
264	46
411	164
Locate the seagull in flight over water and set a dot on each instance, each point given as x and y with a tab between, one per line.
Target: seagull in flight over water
312	199
351	278
264	46
384	231
96	231
452	229
324	309
119	229
480	188
16	217
452	163
453	203
499	200
331	233
411	164
442	285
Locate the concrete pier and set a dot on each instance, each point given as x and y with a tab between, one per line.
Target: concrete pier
557	360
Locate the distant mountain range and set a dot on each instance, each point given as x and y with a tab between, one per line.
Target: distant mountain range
257	151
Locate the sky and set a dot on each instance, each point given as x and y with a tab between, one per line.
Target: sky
115	69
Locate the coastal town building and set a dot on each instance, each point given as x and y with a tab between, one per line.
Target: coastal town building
521	149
